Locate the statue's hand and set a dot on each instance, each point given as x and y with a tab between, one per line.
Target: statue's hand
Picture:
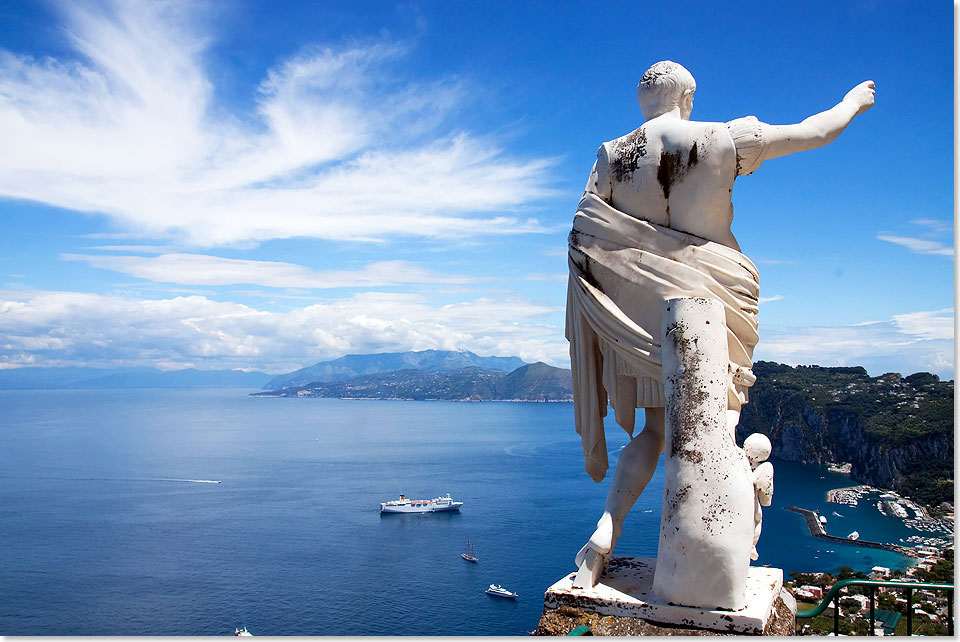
862	96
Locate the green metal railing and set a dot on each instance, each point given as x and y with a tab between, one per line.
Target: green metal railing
834	595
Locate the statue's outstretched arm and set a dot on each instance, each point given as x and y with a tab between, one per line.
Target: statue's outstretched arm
819	129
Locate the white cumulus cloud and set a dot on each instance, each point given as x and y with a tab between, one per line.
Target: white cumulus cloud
907	343
339	146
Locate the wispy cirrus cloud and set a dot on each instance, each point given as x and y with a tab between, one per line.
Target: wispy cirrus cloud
203	269
920	246
934	225
929	241
775	262
340	145
547	276
66	328
142	249
906	343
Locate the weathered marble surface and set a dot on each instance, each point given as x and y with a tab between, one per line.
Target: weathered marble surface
708	517
625	593
564	619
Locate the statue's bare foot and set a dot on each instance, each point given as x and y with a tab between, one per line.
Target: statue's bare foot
602	541
590	570
593	557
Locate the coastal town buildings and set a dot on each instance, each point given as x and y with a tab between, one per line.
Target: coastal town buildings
809	592
932	551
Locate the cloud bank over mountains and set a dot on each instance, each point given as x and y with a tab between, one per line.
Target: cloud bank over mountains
907	343
62	328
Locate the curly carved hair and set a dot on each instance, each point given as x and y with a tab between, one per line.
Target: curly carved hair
661	87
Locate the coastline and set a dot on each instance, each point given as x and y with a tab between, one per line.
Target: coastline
272	395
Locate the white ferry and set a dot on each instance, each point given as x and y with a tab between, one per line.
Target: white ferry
435	505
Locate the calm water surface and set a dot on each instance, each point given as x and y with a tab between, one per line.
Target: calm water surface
103	533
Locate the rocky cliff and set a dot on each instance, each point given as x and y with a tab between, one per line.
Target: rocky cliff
897	432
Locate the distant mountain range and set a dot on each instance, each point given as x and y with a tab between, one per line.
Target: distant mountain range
341	369
529	382
74	378
354	365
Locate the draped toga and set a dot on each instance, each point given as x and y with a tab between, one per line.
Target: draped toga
622	269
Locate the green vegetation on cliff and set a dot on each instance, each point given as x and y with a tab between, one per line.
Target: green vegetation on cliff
896	431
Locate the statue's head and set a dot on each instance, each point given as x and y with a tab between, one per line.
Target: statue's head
666	85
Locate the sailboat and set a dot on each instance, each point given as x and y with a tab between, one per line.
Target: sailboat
470	555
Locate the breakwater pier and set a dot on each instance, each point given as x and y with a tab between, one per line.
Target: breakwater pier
812	518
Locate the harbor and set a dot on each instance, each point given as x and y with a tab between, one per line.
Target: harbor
817	529
891	504
937	532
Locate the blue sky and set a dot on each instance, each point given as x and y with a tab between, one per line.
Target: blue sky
265	185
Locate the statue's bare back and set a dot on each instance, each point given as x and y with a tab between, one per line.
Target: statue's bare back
672	172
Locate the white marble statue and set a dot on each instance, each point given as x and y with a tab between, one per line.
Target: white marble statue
654	224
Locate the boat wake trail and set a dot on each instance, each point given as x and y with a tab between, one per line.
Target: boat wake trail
525	449
135	479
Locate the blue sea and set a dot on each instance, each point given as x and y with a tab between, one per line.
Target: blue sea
108	525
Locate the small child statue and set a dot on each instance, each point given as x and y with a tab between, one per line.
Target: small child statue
757	448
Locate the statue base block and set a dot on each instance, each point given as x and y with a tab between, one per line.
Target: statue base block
625	591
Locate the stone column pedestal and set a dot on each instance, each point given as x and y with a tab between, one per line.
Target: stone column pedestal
623	603
707	520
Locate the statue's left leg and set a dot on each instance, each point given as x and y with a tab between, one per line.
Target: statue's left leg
635	467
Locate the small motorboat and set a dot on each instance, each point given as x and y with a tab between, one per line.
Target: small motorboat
242	631
498	591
